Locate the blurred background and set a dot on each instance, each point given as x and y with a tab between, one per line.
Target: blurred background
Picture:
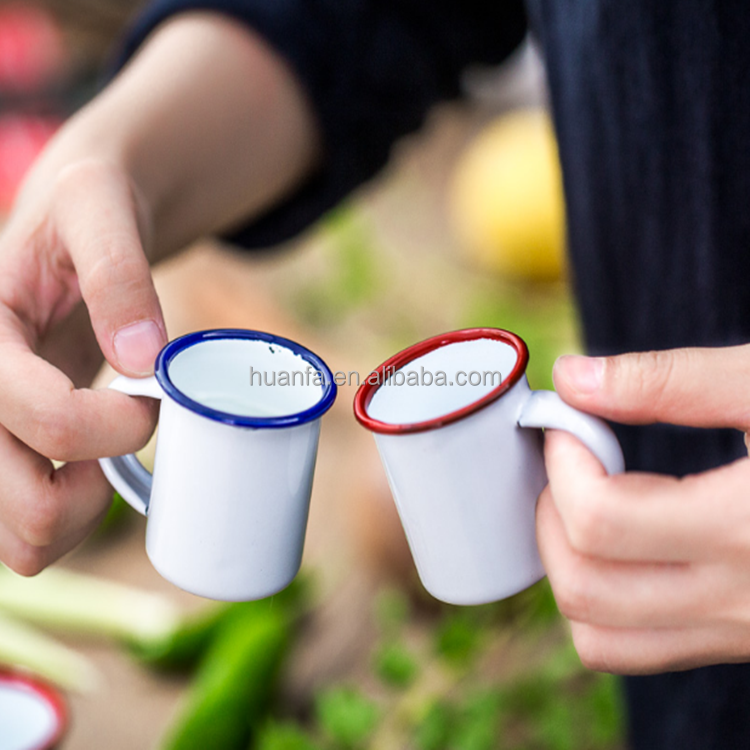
464	227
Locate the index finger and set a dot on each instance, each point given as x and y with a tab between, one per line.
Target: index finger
42	408
96	217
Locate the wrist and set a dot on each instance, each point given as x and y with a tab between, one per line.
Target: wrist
206	123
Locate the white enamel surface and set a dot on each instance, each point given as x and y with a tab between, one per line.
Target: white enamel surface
229	505
26	719
466	494
217	373
125	473
407	404
547	409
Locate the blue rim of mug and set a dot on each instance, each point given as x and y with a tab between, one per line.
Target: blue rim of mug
173	348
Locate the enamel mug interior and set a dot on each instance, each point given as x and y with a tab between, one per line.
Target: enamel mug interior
458	373
32	715
213	378
491	362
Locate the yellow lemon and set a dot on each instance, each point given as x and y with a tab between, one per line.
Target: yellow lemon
506	200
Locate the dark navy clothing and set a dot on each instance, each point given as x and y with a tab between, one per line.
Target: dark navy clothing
652	108
651	100
371	69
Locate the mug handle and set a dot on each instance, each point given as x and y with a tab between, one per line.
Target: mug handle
547	409
126	473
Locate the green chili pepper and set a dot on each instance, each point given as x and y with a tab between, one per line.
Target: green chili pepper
234	683
183	647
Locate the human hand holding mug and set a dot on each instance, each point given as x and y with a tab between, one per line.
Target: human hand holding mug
651	570
228	501
463	463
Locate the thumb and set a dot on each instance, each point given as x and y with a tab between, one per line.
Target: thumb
97	217
704	387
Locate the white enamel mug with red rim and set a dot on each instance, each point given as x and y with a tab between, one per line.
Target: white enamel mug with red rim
465	462
33	715
228	501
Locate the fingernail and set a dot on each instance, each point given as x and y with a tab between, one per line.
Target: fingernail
582	373
137	345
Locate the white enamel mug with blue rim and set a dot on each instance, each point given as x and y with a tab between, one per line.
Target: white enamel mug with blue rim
465	462
228	501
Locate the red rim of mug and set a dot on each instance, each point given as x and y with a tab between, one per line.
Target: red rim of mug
397	361
49	695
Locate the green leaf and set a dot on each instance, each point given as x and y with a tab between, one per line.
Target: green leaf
555	726
433	731
346	716
607	711
277	735
478	726
541	605
395	665
528	698
457	638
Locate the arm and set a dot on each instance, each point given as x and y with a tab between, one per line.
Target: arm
182	143
199	75
206	128
652	571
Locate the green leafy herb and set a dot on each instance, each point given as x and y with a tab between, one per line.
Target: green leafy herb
395	665
288	735
457	638
433	730
478	724
346	716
